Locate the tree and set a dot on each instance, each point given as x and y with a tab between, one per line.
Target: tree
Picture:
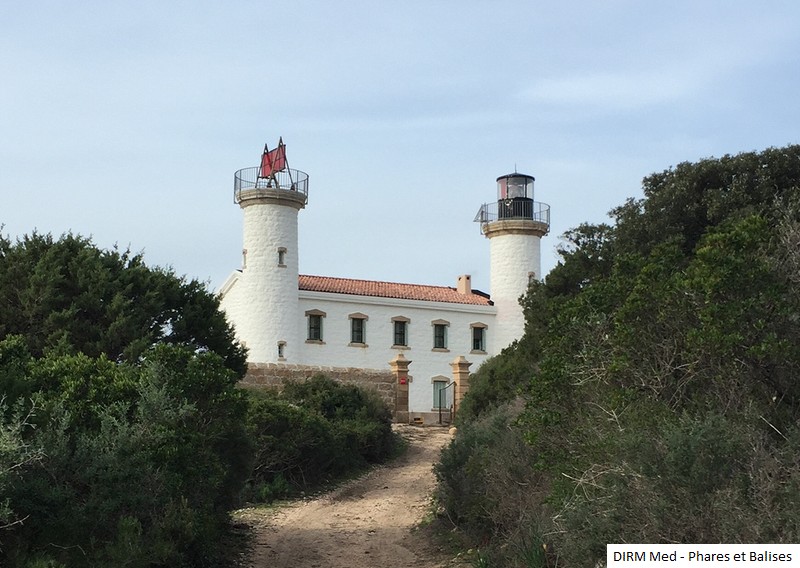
122	430
586	256
68	296
663	404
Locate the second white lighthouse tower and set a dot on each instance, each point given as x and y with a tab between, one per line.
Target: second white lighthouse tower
514	225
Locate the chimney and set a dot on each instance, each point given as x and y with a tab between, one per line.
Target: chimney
464	284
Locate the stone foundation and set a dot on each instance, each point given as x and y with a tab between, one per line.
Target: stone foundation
272	375
429	418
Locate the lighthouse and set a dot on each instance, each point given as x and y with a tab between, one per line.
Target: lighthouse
294	325
514	225
266	306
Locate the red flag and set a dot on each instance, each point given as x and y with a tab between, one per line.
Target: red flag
273	161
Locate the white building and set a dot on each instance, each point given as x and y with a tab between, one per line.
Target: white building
310	321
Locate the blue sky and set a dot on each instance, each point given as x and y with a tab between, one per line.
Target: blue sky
126	120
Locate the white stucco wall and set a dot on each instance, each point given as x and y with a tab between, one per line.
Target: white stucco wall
267	303
513	257
232	300
426	363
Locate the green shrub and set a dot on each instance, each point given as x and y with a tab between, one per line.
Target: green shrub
147	477
290	442
361	422
311	433
489	486
693	479
498	381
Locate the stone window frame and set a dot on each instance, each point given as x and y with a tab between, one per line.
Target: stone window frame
445	325
282	257
473	327
315	314
363	318
405	326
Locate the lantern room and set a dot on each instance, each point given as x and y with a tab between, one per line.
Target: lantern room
515	202
515	196
514	186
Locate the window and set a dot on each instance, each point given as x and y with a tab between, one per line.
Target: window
400	325
440	394
358	329
440	334
478	338
282	257
281	350
314	326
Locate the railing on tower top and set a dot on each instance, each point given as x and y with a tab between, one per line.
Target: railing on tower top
248	181
520	208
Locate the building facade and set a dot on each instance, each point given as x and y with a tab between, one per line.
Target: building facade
307	322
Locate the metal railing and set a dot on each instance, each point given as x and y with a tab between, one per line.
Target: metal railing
514	209
248	180
443	399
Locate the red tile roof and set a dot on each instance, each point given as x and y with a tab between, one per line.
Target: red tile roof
391	290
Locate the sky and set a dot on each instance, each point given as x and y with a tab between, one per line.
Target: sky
125	121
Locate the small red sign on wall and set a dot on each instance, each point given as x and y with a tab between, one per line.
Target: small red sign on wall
402	380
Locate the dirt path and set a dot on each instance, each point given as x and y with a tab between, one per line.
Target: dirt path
368	522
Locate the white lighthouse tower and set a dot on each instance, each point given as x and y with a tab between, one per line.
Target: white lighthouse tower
514	225
266	304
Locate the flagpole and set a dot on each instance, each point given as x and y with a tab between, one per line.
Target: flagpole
272	167
286	162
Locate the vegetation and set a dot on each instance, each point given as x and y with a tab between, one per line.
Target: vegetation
313	432
124	439
654	396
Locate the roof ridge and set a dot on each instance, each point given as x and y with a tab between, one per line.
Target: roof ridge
384	289
377	281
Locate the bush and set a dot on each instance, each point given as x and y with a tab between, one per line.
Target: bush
497	381
311	433
146	477
16	454
361	422
489	486
694	479
290	443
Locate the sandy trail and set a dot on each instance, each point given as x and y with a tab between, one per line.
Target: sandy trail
367	522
